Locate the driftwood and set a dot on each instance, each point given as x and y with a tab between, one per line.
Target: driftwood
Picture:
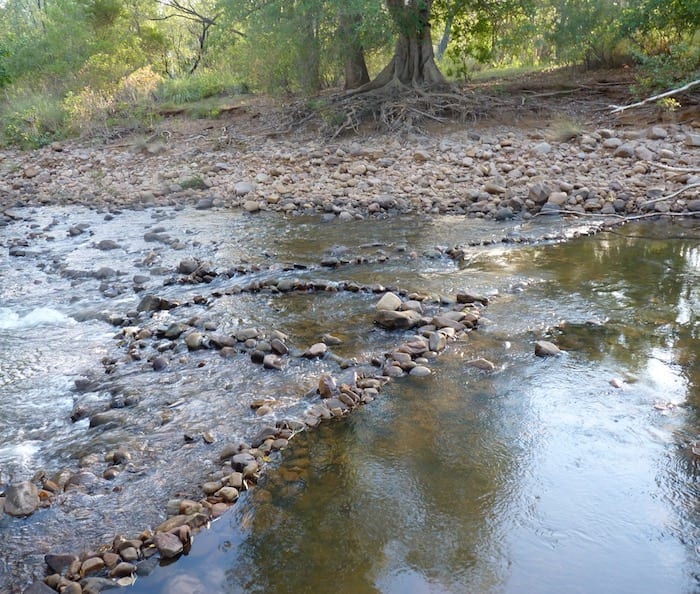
621	108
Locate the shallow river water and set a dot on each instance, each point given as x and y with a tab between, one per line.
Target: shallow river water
573	473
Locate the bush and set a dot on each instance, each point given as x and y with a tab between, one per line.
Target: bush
197	87
680	63
31	120
93	110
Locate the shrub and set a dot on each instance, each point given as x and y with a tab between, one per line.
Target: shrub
197	87
31	120
678	64
93	110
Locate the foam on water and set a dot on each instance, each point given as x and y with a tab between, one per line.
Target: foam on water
41	316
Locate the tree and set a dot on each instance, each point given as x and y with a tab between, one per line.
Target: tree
355	67
413	63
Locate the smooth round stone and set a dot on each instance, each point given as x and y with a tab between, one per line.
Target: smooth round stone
420	371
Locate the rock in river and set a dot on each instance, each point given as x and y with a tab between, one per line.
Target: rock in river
397	320
168	545
544	348
21	499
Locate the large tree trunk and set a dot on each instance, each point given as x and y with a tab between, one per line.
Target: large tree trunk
309	59
413	63
356	73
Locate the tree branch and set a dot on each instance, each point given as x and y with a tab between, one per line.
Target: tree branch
621	108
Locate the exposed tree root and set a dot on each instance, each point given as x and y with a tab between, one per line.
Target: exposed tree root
394	107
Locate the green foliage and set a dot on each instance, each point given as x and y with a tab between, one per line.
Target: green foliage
588	32
103	14
193	183
5	78
77	66
31	120
129	101
189	89
679	64
668	20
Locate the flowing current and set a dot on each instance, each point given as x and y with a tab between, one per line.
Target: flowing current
575	473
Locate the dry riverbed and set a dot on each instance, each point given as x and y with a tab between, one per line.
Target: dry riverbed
553	156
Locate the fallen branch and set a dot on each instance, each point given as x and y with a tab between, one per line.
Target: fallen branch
673	195
676	169
621	108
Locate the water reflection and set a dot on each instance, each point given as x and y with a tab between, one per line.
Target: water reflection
540	477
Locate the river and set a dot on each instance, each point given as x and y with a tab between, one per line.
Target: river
573	473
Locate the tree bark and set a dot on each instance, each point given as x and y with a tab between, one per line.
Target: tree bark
413	63
356	73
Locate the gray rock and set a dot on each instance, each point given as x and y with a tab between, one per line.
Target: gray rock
420	371
657	133
316	350
539	192
228	494
59	563
625	150
188	266
279	347
123	569
397	320
504	213
466	297
481	363
542	148
694	205
39	588
389	301
693	140
247	333
204	204
194	340
612	143
331	340
437	341
491	187
558	198
21	499
272	362
550	208
92	565
107	244
242	188
544	348
327	386
168	545
155	303
644	153
421	156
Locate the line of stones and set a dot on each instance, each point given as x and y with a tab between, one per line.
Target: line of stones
242	464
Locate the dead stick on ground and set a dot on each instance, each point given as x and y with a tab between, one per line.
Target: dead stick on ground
673	195
621	108
676	169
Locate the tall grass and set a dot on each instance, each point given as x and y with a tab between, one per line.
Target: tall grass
190	89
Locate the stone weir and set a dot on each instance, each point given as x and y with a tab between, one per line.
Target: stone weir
423	325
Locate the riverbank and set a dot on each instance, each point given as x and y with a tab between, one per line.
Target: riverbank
546	153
